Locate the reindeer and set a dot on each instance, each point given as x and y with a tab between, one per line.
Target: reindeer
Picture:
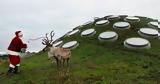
60	54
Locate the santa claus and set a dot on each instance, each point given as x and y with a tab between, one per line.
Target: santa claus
15	50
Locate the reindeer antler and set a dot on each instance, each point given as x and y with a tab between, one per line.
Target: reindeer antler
52	34
46	41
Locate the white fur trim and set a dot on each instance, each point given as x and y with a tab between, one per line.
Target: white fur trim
11	65
18	65
13	53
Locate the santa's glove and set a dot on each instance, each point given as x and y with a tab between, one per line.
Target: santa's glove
22	54
23	50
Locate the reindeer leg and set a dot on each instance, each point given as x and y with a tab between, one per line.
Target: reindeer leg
57	61
63	62
67	62
60	63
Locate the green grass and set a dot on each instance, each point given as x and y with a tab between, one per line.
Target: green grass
94	62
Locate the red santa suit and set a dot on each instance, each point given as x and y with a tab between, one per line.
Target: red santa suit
14	50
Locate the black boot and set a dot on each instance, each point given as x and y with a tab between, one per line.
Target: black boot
10	71
16	70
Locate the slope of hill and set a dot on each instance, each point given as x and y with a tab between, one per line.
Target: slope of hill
95	62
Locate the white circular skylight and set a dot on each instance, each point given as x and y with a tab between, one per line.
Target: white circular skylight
113	17
121	25
108	36
153	24
57	44
88	32
136	42
132	19
71	45
102	22
89	22
73	32
148	32
158	35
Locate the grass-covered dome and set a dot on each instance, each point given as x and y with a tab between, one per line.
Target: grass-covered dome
98	62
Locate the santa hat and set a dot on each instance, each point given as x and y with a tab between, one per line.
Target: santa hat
17	32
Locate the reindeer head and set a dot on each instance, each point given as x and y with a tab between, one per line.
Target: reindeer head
48	42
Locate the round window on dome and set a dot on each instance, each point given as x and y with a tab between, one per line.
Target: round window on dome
153	24
88	32
132	19
108	36
121	25
148	32
137	43
58	44
73	32
102	23
71	45
113	17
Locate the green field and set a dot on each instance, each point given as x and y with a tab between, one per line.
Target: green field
94	62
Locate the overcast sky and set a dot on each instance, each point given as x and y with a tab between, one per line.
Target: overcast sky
37	17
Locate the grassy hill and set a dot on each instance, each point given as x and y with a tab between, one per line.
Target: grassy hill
94	62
